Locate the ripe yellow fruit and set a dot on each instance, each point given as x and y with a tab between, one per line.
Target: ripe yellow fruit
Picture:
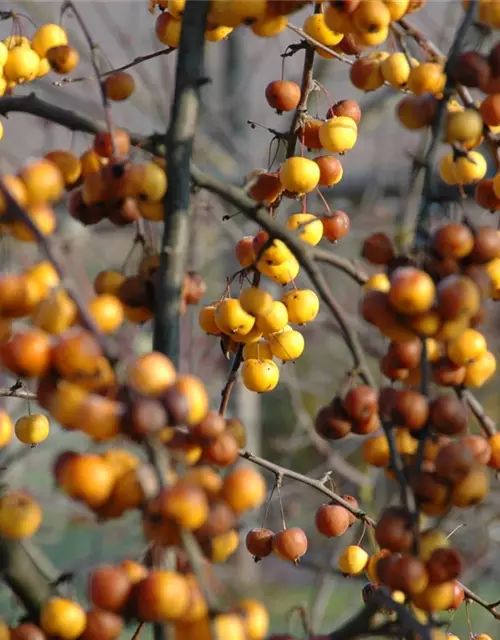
48	36
471	168
218	33
310	227
4	52
260	375
371	17
436	597
255	619
447	169
206	320
397	8
396	70
428	77
275	320
20	515
32	429
22	65
6	428
465	127
63	618
260	350
378	282
431	540
176	7
477	373
353	559
315	26
231	318
338	135
282	273
269	27
287	345
168	30
299	175
255	301
68	164
467	348
302	305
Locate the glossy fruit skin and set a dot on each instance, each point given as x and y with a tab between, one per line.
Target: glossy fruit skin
109	588
353	560
394	530
259	542
283	95
162	596
299	175
260	375
290	544
32	429
244	488
332	520
63	618
47	36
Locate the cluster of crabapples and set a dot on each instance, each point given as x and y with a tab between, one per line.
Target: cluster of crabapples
465	124
261	325
346	26
129	591
444	301
77	387
24	59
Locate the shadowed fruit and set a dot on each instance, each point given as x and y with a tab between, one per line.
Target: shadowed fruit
394	530
259	542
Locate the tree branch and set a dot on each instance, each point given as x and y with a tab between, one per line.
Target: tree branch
179	151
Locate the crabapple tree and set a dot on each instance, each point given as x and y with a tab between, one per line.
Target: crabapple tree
159	444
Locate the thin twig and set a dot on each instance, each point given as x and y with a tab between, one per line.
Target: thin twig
125	67
283	472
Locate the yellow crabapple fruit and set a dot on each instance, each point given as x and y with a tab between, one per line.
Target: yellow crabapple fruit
467	347
478	372
287	345
396	70
22	65
338	135
299	175
269	27
20	515
315	26
309	226
302	305
32	429
260	350
48	36
275	320
255	301
259	375
231	318
353	560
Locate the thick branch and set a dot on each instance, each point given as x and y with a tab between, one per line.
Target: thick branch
179	151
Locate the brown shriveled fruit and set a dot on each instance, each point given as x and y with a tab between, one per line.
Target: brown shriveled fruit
223	451
361	403
447	374
485	196
407	574
405	355
101	624
470	68
378	249
410	409
443	565
486	245
448	415
457	296
332	421
453	462
211	427
394	530
259	542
